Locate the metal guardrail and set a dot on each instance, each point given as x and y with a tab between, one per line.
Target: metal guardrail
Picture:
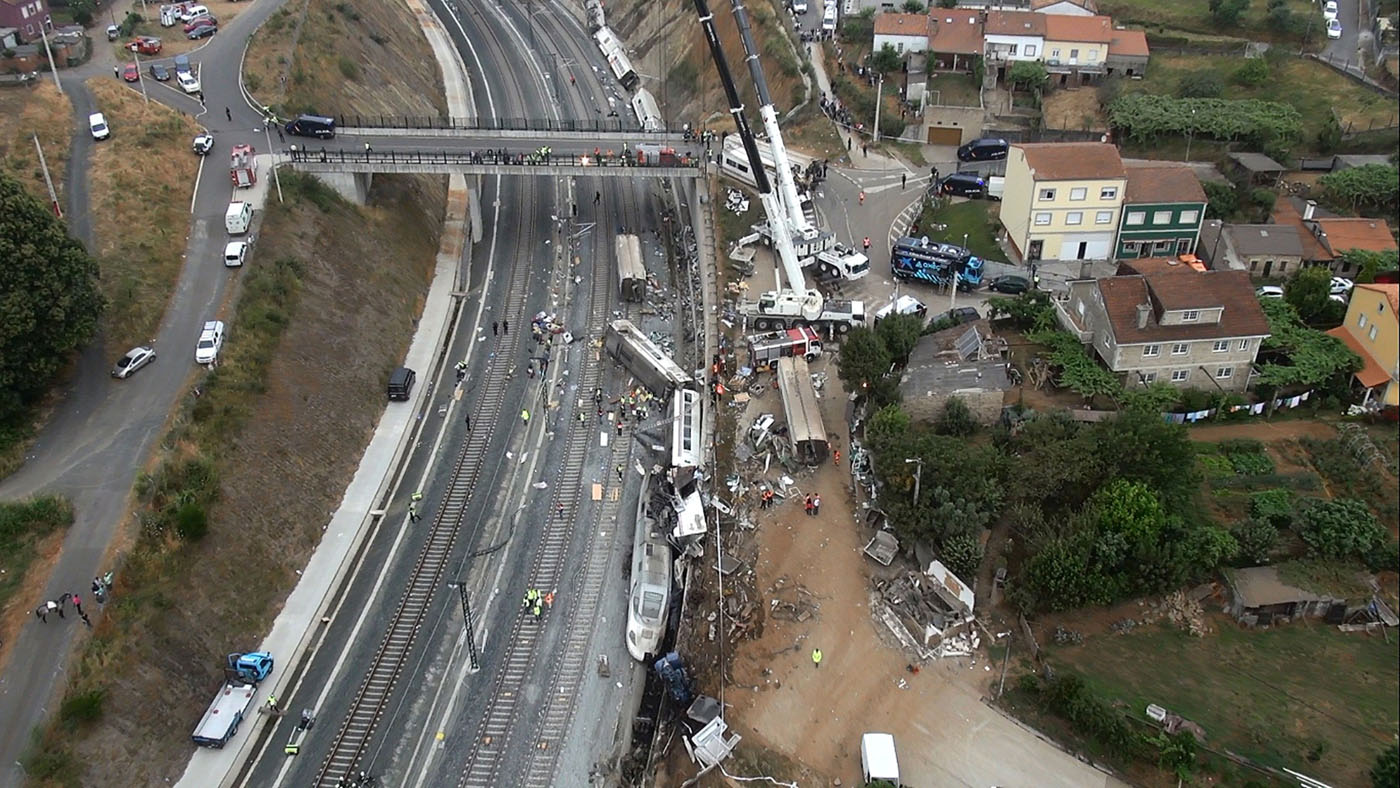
609	124
491	157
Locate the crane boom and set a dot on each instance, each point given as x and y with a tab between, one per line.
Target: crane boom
787	188
772	203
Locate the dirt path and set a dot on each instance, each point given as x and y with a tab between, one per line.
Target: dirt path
1264	431
944	734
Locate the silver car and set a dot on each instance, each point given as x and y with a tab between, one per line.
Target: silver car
134	359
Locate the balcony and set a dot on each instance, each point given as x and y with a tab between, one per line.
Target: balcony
1074	65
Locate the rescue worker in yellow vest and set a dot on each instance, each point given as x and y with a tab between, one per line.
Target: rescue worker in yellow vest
816	658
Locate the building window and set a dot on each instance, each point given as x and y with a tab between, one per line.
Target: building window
1380	308
1189	217
1180	375
1220	346
899	47
1180	348
1130	248
1244	345
1047	194
1042	218
1078	194
1093	55
1361	320
1074	54
1190	316
1079	307
1074	217
1162	217
1151	351
1108	193
1161	247
1136	217
1371	335
1149	377
1055	54
1224	373
1103	217
1030	50
1183	246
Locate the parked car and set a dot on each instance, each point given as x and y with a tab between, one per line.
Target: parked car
193	12
211	341
145	45
160	73
984	149
235	253
1329	11
203	143
1334	28
134	359
131	73
1011	284
182	64
964	184
1269	291
188	83
98	126
202	31
960	315
1341	286
199	22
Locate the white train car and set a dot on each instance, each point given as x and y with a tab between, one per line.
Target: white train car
686	451
734	163
640	356
593	10
631	271
649	599
648	113
611	47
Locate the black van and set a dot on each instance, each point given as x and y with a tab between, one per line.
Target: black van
312	126
964	184
401	383
984	149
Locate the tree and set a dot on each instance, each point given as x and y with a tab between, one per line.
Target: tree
1368	263
1257	540
1027	75
900	333
863	360
49	302
955	420
1308	291
1200	84
1227	13
886	60
948	3
1294	354
1028	311
1369	189
913	7
83	11
1341	528
1386	772
1222	200
962	554
1139	446
1330	135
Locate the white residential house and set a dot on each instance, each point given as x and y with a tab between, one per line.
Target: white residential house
904	32
1065	7
1009	36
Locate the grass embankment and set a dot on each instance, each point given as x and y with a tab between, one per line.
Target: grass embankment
25	530
975	219
24	112
141	180
1302	696
1193	16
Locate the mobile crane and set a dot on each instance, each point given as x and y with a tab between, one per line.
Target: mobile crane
793	305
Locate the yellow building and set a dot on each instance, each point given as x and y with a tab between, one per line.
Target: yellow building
1371	329
1076	48
1062	200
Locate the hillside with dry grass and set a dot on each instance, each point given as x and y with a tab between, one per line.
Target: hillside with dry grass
235	500
24	112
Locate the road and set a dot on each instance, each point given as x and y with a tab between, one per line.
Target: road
101	430
429	731
1343	51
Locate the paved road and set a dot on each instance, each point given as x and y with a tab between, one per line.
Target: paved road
101	430
1343	51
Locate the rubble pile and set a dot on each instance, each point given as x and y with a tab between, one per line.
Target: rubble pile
920	618
1180	611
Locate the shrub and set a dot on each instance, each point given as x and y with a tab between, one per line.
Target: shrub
1200	84
82	708
348	68
1344	528
956	419
191	522
962	554
1272	506
1257	539
1253	73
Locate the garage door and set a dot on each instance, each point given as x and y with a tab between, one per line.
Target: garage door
942	135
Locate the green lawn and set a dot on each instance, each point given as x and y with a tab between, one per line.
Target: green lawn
1311	87
951	89
1276	696
1194	16
975	218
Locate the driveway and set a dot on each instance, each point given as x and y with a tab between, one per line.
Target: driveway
101	430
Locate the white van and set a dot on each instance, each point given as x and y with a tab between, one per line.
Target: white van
829	19
799	6
877	758
193	12
98	126
238	216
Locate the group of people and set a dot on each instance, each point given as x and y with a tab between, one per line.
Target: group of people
59	605
813	505
535	602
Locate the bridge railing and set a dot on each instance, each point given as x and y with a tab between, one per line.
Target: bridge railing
432	122
507	158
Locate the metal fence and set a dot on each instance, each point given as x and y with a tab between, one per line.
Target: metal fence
459	158
439	123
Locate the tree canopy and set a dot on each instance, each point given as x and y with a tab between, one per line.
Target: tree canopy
1308	290
1145	117
49	302
1294	354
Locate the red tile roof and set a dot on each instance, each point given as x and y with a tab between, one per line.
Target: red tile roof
1066	161
902	25
1128	43
956	31
1163	182
1166	287
1089	29
1373	235
1371	374
1015	23
1391	293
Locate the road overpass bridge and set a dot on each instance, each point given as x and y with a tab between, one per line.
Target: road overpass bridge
350	171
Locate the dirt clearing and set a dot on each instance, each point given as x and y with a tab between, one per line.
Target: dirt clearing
24	112
1073	108
141	178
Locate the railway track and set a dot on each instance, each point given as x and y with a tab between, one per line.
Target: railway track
376	689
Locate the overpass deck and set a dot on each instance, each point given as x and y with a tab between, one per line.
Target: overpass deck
443	162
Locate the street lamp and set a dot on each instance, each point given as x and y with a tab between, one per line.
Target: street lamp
918	462
1190	134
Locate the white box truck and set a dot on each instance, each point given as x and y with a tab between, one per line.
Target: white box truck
238	216
877	759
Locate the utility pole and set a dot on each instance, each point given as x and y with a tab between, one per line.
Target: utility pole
879	88
52	66
472	653
140	80
267	124
48	181
918	463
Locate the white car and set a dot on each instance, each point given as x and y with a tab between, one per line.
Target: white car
188	82
235	253
134	359
211	341
1341	286
203	143
1329	11
1269	291
1334	28
98	126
